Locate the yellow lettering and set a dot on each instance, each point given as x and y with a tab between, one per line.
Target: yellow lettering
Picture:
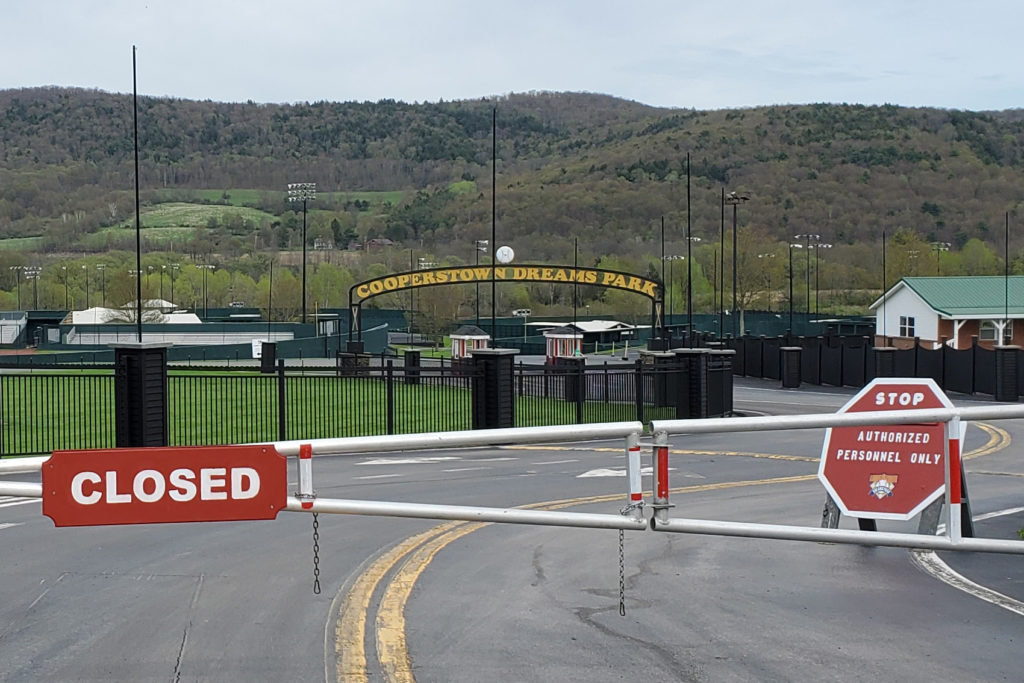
648	288
607	279
619	281
443	276
519	274
533	274
417	279
362	291
481	274
466	275
560	276
403	281
428	279
376	287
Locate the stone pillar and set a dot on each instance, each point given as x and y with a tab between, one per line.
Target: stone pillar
885	361
789	366
140	394
1007	358
692	383
494	399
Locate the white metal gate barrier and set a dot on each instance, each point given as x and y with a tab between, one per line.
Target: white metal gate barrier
632	515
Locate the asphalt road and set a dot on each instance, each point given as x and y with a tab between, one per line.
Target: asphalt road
462	602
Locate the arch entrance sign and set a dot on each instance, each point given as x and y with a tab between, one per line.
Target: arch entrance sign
455	275
891	471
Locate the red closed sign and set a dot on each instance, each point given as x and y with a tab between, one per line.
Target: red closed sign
158	485
887	471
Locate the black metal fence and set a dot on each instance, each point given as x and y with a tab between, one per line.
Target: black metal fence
47	409
853	361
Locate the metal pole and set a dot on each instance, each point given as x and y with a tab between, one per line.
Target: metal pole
791	289
689	260
721	269
807	273
494	221
661	504
304	261
735	317
138	214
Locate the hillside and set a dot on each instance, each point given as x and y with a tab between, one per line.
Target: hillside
571	165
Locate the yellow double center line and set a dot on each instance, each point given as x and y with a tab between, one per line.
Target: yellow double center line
419	551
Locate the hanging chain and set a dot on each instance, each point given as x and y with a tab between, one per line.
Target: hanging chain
622	574
622	557
316	554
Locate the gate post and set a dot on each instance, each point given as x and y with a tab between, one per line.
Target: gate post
1006	374
493	388
140	394
692	384
790	369
885	361
412	367
661	505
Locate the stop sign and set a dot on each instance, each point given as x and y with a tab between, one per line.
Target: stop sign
887	472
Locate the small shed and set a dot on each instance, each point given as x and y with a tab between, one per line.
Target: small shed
467	339
563	342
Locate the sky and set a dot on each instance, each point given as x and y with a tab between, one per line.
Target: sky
951	54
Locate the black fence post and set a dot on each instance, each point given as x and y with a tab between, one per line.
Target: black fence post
412	367
268	356
638	389
389	393
580	380
790	366
282	411
140	394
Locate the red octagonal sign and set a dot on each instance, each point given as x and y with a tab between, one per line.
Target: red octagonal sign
887	472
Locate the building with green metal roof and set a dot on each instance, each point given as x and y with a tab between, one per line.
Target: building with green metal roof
951	310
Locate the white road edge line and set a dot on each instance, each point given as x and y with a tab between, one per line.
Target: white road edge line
932	564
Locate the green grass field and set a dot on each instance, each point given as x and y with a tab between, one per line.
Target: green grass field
43	411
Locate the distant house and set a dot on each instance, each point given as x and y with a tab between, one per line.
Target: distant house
323	244
952	311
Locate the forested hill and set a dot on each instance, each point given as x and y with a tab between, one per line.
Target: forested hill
570	165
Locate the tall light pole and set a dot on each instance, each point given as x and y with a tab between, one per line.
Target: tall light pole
174	267
817	249
939	247
86	270
421	264
479	246
207	267
669	286
792	246
735	200
768	270
807	237
302	192
102	267
17	276
721	269
32	273
65	269
163	269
